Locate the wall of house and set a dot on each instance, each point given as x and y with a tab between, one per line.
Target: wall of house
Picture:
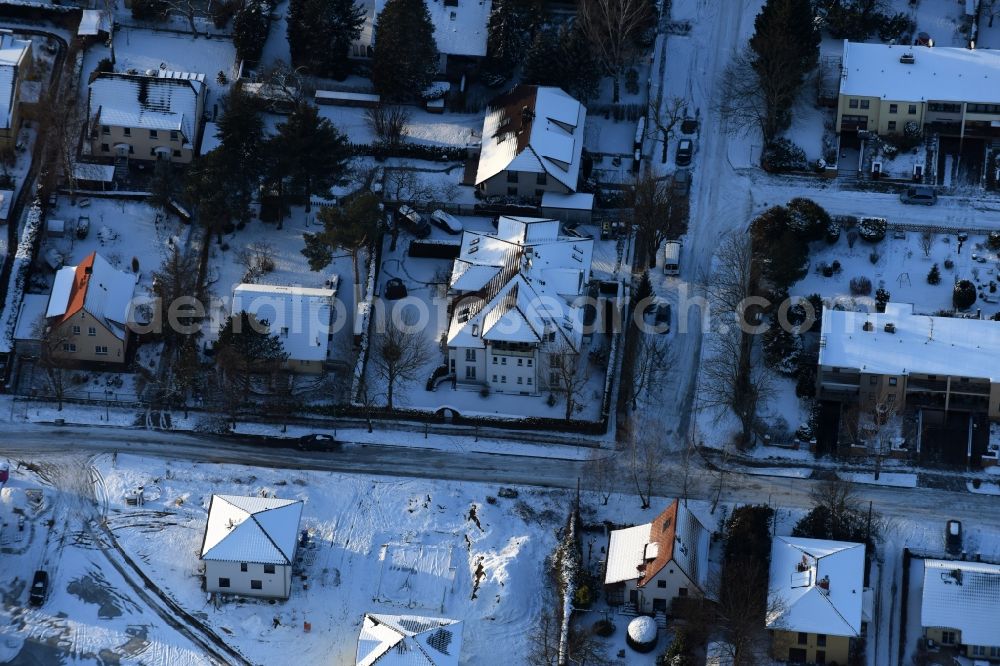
8	135
784	645
995	402
85	343
276	585
512	372
142	143
936	634
672	579
526	186
871	113
461	365
304	367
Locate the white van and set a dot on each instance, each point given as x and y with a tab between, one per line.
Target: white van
672	258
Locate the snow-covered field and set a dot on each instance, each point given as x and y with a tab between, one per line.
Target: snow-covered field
433	129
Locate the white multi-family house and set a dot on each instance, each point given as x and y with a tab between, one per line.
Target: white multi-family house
650	565
960	607
532	143
249	545
15	66
409	640
516	305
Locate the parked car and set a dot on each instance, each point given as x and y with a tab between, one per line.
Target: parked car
919	194
446	222
39	588
413	221
395	289
317	442
953	537
685	149
682	182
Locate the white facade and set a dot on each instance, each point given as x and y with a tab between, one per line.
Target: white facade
249	578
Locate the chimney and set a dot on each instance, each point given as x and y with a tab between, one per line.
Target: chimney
907	58
88	270
868	326
824	585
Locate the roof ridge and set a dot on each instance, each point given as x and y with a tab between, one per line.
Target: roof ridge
253	516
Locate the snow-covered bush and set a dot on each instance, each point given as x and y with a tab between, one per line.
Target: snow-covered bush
964	295
872	229
642	634
782	350
993	240
782	155
808	218
881	299
19	274
934	276
861	286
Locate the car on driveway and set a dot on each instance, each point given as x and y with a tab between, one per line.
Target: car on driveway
919	195
685	149
39	588
413	221
446	222
953	537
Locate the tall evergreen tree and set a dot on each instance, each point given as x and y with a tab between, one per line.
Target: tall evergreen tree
511	26
406	55
320	33
562	57
250	27
241	133
246	346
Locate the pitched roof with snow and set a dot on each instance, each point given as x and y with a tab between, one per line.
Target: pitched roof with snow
460	28
261	530
941	73
918	344
96	287
816	586
536	129
642	551
12	51
166	101
300	316
963	596
519	283
409	640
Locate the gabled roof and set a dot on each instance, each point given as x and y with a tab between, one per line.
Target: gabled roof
251	529
641	552
533	129
518	283
816	586
963	596
165	101
96	287
299	316
12	50
409	640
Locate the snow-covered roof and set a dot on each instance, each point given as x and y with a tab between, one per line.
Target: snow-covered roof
941	73
166	101
32	310
571	201
642	551
103	173
816	586
94	22
6	199
262	530
12	50
519	283
301	317
459	29
533	129
963	596
409	640
96	287
920	344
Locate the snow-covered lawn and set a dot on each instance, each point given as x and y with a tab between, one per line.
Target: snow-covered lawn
434	129
897	479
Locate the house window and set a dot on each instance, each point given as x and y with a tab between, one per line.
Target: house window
494	379
661	584
912	110
176	153
520	380
91	331
948	637
978	650
101	350
152	152
76	330
127	131
821	640
520	361
820	656
152	134
893	381
512	177
503	379
555	361
284	331
530	362
494	360
105	147
865	103
470	355
995	651
269	568
256	585
539	193
803	638
105	129
873	380
893	108
223	582
243	567
554	378
470	372
682	592
503	360
173	135
69	347
853	104
542	179
529	381
892	126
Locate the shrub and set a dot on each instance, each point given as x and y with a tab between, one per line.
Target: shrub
603	628
993	240
881	299
873	257
222	12
872	229
135	264
484	392
852	237
949	264
896	27
934	276
833	233
964	295
583	598
836	266
782	155
861	286
808	218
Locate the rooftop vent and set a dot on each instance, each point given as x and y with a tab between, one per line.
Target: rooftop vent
824	584
868	326
907	59
890	327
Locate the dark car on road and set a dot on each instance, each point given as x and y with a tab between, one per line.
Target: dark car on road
919	195
685	149
317	442
39	588
953	537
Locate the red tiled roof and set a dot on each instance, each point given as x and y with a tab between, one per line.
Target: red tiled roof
78	292
661	532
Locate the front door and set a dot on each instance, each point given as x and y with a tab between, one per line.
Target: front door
659	605
633	597
796	655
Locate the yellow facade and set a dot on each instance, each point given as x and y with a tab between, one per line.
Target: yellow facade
83	338
801	647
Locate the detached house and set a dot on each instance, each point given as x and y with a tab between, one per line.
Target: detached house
960	607
153	116
249	545
409	640
88	312
816	599
650	565
515	305
532	143
15	66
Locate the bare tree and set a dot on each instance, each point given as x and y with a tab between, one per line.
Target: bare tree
186	8
743	610
926	242
600	473
647	461
880	426
63	124
399	354
544	639
613	28
571	372
257	259
178	292
742	103
405	186
651	199
288	85
55	365
664	119
389	122
653	361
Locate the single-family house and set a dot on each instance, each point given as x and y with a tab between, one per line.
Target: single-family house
15	66
249	545
532	143
88	312
960	607
152	116
516	310
815	607
899	88
650	565
301	317
409	640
